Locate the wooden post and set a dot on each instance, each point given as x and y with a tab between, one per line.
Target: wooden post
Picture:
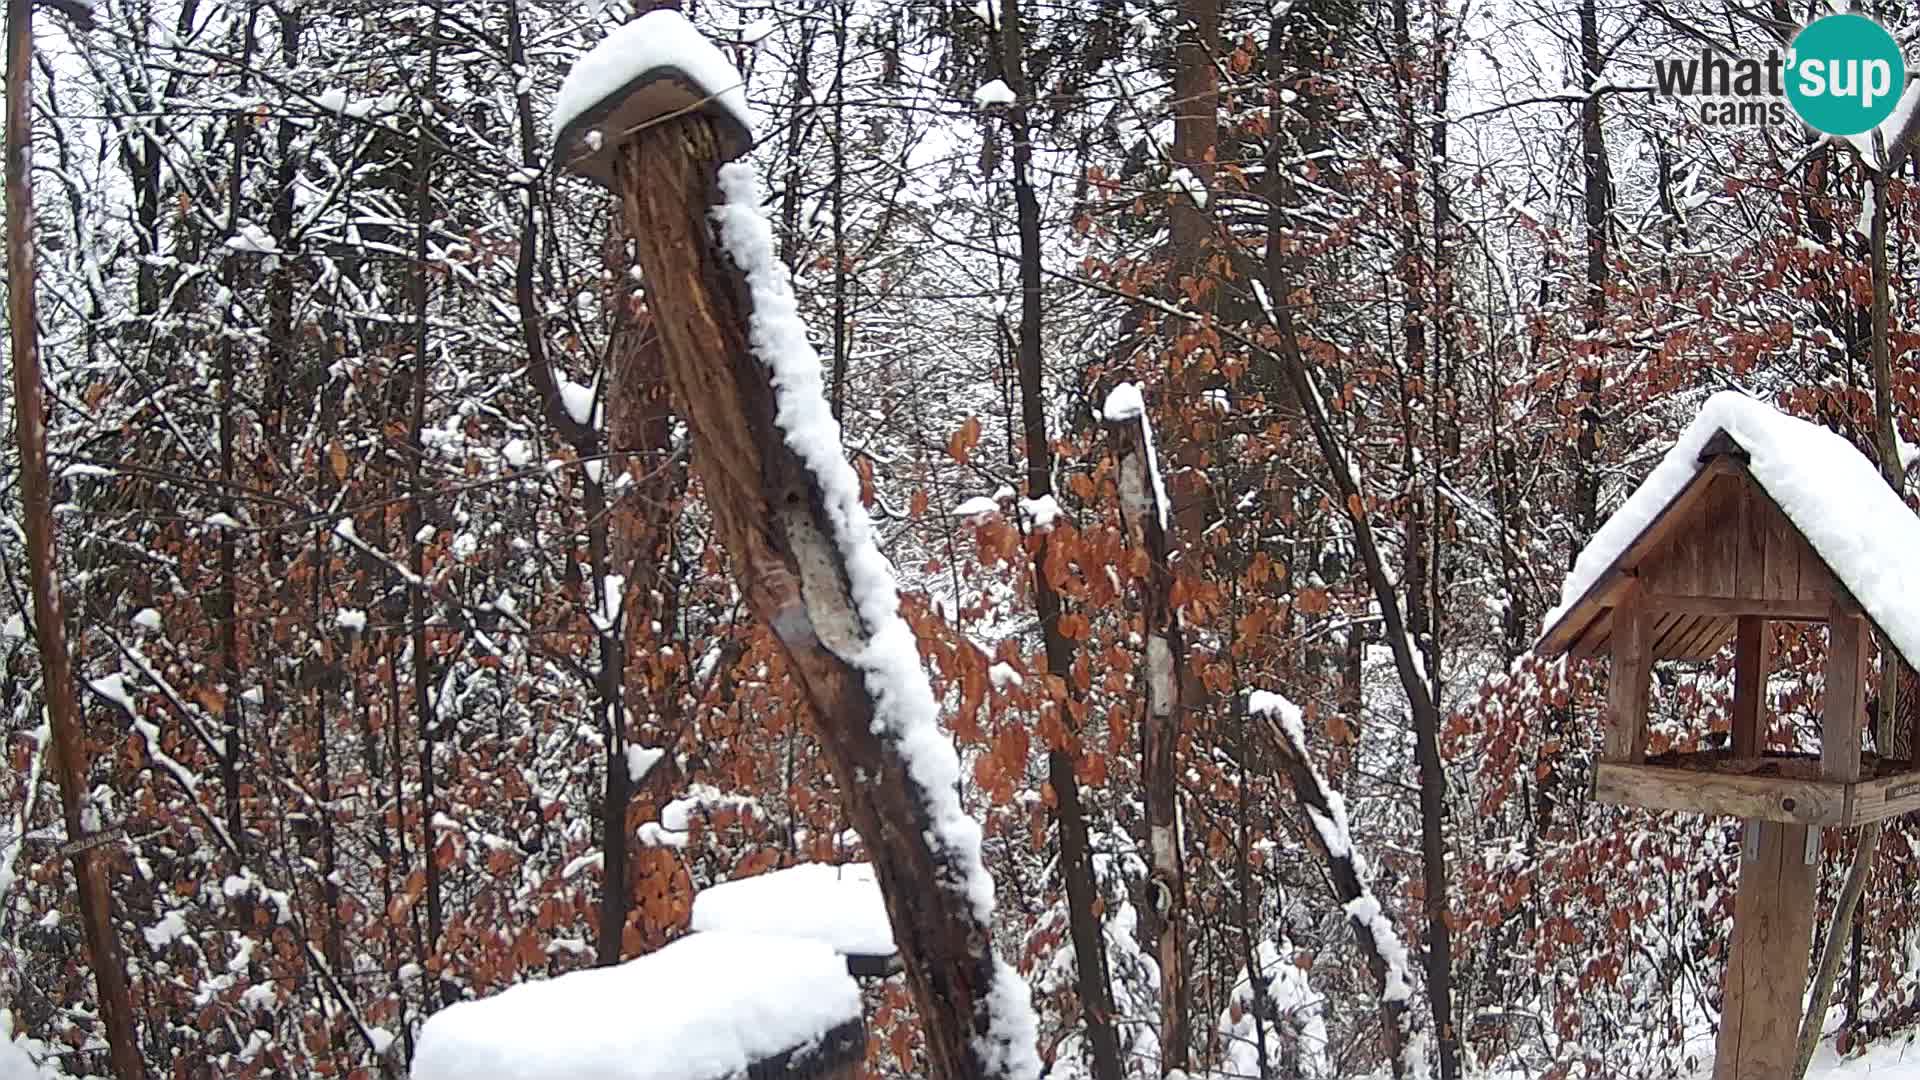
1773	913
769	513
1752	655
1631	678
1767	967
1845	705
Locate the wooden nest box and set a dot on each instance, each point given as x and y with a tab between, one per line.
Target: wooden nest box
1754	517
647	72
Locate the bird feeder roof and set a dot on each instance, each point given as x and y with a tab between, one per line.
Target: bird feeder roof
1860	535
651	69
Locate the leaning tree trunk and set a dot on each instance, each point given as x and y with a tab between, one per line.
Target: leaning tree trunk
793	553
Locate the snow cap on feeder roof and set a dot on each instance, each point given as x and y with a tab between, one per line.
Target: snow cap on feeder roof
707	1006
653	68
1827	489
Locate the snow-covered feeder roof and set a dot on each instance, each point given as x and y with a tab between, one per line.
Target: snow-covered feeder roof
839	906
707	1007
653	68
1751	512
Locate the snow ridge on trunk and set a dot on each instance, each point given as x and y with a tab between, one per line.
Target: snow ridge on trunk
886	653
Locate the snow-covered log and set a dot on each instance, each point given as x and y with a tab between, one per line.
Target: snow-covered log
786	504
1379	941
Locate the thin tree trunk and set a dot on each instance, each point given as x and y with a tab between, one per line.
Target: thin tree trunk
425	722
1076	857
88	861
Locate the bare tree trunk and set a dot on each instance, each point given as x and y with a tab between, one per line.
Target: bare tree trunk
36	508
768	512
1076	858
1598	192
425	722
1148	519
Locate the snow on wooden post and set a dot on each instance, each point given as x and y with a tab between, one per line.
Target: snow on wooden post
715	1006
1753	517
787	506
1143	500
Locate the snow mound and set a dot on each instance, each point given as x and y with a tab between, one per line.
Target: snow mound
705	1007
15	1063
1829	490
839	906
660	38
994	93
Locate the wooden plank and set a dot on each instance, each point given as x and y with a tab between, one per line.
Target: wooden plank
1769	798
1886	797
1845	705
1783	556
1719	537
1767	967
1792	609
1752	653
1751	555
1629	681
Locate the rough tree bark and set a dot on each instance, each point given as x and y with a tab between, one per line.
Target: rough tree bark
1147	520
768	512
1343	877
88	860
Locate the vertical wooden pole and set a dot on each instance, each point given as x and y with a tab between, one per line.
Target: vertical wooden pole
1767	969
1845	706
1628	684
1752	655
1773	914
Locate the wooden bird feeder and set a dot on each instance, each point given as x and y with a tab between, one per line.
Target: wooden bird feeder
1718	558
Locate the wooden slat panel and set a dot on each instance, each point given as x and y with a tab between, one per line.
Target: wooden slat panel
1676	627
1718	536
1783	555
1770	798
1706	642
1750	556
1767	962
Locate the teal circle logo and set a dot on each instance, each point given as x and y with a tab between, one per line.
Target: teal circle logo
1845	74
